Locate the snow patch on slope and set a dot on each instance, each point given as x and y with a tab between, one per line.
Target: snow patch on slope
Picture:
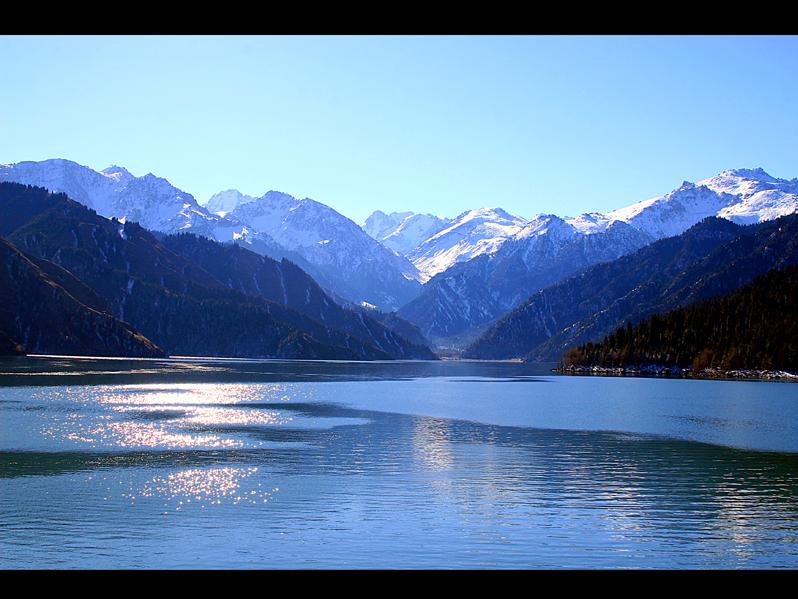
471	234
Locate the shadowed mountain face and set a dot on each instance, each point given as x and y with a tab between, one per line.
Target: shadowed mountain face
176	302
712	258
285	283
9	347
149	200
44	309
399	325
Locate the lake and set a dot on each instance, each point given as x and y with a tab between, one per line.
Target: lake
109	463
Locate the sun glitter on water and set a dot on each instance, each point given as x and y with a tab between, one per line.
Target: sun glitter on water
206	487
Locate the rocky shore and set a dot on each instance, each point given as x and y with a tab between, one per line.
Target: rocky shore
675	371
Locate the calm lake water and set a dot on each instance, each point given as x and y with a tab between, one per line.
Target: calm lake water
277	464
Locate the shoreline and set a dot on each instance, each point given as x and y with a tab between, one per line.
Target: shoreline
683	373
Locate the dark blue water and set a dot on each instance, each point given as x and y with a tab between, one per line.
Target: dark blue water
246	464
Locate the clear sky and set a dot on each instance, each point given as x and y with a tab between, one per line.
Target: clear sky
428	124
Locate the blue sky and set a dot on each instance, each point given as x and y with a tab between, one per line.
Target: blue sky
429	124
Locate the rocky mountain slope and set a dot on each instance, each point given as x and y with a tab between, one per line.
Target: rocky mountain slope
477	266
469	235
285	283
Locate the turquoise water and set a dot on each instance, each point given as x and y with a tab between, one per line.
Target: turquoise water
264	464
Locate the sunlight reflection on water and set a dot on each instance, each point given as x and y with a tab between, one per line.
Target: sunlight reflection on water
340	471
205	487
167	416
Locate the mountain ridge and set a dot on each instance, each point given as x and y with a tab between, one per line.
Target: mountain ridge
175	301
713	257
385	279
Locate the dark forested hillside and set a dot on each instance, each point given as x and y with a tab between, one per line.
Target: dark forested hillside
398	325
42	309
174	301
755	327
285	283
712	258
9	347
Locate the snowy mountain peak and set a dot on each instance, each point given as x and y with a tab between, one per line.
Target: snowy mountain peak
590	222
742	195
413	230
745	182
403	231
472	233
226	201
756	174
118	173
114	192
380	225
154	178
335	245
278	196
488	215
547	224
335	249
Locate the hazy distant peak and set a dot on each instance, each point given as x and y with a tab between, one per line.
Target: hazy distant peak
119	173
226	201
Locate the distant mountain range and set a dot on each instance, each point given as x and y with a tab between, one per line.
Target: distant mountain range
187	294
334	250
447	279
342	255
486	262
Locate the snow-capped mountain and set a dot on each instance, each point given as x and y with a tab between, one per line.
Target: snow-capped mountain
403	231
461	300
547	248
151	201
358	267
744	196
471	234
747	182
379	225
674	212
761	197
225	202
711	259
331	247
384	262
